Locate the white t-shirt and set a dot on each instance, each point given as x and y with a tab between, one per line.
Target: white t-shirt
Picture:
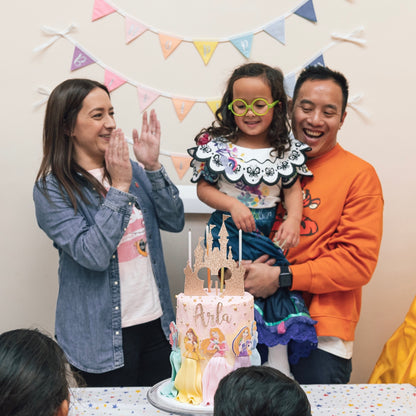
336	346
140	301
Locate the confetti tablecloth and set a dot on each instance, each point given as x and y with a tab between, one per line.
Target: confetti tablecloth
326	400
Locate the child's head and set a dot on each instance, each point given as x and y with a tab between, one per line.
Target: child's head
259	391
278	130
33	375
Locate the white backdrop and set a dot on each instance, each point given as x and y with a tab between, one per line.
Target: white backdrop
383	71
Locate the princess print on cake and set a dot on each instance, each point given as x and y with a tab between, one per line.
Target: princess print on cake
214	347
242	348
169	388
188	381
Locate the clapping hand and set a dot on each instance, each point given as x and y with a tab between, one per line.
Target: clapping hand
147	147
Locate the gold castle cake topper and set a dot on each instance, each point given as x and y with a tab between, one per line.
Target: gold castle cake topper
214	259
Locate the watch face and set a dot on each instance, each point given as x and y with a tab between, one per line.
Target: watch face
285	279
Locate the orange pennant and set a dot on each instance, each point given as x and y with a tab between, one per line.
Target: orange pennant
182	107
181	164
168	44
206	48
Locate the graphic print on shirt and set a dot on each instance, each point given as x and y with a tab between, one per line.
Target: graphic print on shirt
133	243
308	226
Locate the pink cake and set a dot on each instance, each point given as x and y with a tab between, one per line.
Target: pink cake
215	330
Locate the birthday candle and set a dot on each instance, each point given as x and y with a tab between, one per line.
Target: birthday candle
240	246
222	279
209	270
189	247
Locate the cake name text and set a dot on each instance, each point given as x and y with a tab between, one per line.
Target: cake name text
208	318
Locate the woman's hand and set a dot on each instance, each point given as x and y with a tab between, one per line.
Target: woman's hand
117	161
147	147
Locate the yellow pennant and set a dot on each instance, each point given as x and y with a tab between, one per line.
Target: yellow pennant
181	164
206	48
168	44
182	107
214	105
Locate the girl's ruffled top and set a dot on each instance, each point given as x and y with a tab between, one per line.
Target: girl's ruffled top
256	171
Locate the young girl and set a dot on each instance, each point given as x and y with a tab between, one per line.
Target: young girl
243	163
103	213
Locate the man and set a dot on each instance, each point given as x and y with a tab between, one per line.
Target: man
340	233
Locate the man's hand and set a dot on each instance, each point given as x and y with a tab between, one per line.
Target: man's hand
261	279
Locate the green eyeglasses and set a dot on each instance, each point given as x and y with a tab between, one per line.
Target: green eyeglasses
259	106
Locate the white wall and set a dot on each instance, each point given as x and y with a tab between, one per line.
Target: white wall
382	71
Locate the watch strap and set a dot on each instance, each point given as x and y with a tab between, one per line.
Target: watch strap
285	277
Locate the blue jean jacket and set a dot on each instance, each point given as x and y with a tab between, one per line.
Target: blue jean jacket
88	312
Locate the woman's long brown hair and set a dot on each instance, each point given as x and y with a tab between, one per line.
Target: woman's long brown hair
62	110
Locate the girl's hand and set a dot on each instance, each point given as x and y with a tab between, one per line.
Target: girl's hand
117	161
147	147
242	217
288	234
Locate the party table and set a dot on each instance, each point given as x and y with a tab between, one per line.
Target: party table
326	400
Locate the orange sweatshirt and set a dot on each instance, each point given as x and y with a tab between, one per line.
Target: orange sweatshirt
340	239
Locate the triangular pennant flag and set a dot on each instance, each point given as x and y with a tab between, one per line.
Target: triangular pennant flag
182	107
214	105
306	11
113	81
319	60
146	97
276	29
80	59
205	48
289	84
133	28
243	44
182	164
168	44
101	9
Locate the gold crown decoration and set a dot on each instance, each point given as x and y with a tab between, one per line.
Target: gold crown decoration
214	259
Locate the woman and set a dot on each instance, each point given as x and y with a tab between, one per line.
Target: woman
33	375
103	213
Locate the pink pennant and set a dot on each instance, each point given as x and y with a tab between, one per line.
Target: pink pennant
181	164
112	80
168	44
133	28
101	9
182	107
146	97
80	59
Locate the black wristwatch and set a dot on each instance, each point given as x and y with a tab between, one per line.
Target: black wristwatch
285	277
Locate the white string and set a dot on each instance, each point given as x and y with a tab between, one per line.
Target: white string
43	91
351	37
57	34
353	101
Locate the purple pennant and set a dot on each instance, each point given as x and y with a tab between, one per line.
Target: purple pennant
307	11
80	59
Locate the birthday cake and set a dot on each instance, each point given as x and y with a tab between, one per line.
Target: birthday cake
215	331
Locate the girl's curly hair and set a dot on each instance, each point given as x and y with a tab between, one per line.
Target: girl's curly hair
224	124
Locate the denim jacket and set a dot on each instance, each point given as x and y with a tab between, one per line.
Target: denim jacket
88	312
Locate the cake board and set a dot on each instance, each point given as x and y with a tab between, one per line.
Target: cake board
173	406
